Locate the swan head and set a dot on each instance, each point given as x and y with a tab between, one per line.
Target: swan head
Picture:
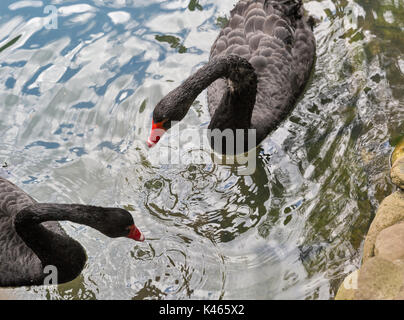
170	110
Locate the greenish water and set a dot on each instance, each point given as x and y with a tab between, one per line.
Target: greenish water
76	111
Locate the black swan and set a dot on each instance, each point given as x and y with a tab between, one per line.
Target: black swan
258	67
31	238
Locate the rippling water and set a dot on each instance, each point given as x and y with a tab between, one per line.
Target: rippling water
76	110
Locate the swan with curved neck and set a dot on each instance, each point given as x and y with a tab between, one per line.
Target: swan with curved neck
31	238
258	67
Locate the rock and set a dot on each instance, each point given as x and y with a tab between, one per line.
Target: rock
398	151
348	288
381	276
379	279
397	173
400	296
391	211
389	243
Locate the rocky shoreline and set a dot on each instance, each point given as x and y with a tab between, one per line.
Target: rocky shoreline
381	276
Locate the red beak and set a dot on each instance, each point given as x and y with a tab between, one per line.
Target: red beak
156	133
135	234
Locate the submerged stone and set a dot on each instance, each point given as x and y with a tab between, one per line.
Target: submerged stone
379	279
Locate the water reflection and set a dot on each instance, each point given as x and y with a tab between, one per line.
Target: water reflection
77	110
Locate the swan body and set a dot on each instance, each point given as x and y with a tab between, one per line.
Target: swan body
258	67
31	238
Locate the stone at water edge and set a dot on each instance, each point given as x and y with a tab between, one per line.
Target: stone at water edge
390	243
391	211
397	173
398	152
382	273
400	295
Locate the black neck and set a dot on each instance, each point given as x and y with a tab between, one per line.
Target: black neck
236	107
237	104
61	251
